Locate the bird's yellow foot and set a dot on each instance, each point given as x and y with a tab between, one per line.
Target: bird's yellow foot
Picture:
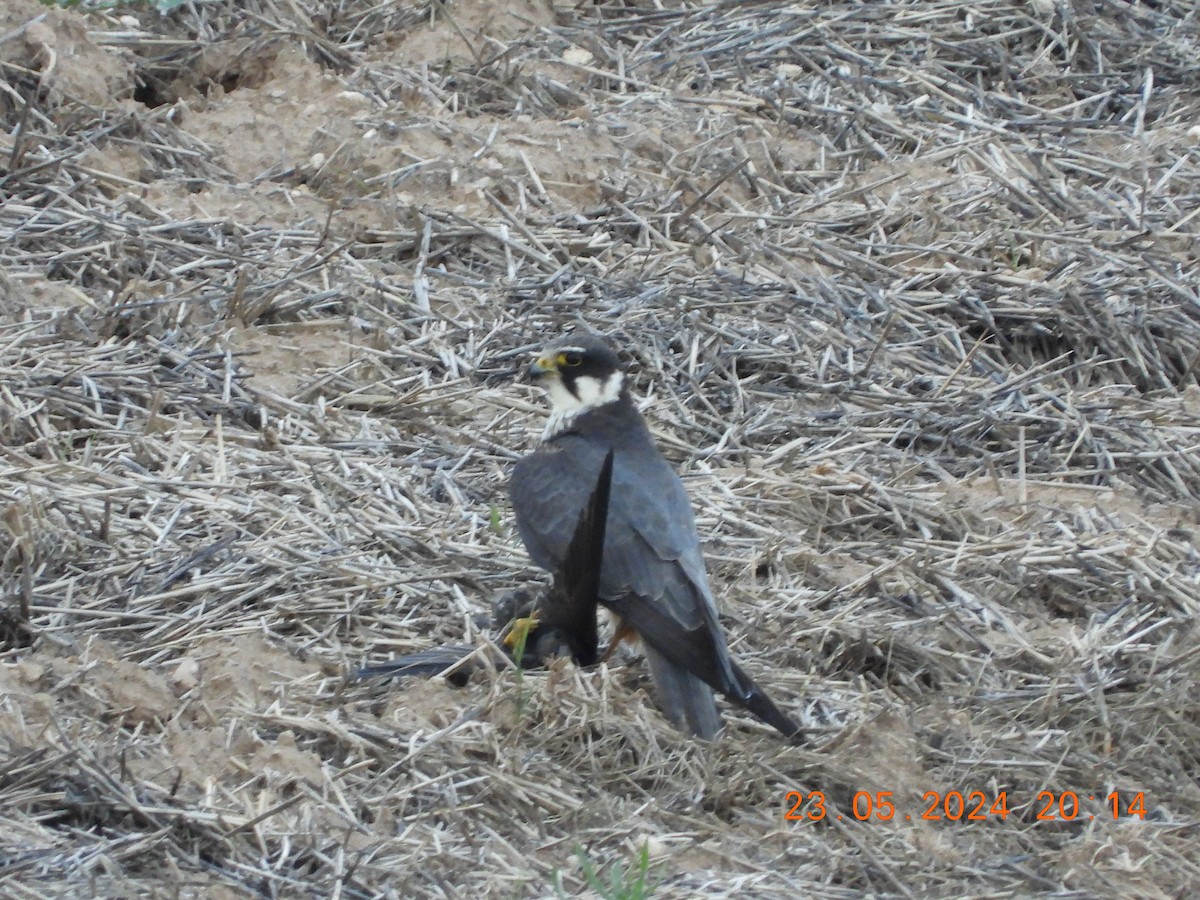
519	633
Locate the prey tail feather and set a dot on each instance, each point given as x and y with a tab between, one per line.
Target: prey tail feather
569	610
587	543
423	664
686	700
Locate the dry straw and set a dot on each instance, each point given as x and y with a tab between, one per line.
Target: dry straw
910	289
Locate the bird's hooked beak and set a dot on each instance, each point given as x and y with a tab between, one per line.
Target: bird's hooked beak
542	366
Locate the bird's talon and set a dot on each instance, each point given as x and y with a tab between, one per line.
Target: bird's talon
521	628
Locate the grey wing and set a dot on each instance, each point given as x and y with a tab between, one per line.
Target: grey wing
652	549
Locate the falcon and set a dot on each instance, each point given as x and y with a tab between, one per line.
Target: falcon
652	574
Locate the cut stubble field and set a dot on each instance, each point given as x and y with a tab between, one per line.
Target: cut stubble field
909	292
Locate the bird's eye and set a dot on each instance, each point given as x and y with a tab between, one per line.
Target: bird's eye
571	359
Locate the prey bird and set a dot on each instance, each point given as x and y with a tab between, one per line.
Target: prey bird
652	574
559	621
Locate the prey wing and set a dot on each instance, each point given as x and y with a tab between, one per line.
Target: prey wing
568	613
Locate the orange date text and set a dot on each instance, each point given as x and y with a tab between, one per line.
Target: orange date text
968	806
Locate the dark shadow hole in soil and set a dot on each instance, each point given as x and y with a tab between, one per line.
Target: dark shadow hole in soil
153	91
229	82
15	630
150	95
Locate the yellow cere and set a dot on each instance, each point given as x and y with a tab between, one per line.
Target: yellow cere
561	359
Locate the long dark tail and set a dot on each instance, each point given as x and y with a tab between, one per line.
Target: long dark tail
755	699
697	654
686	700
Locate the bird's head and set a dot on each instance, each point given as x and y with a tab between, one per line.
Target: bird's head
580	372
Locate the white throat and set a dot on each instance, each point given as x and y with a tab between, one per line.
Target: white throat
592	392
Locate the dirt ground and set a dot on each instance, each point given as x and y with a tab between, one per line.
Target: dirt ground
909	291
